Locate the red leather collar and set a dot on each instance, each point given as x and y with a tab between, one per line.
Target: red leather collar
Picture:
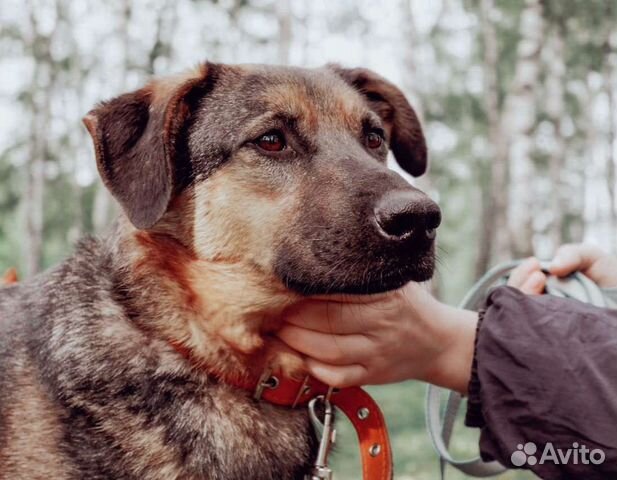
363	412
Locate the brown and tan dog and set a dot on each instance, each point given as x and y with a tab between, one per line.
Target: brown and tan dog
244	188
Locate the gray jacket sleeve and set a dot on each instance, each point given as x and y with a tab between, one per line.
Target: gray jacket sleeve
545	373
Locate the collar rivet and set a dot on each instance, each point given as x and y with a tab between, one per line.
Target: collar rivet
363	413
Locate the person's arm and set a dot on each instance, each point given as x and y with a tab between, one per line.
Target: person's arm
558	388
545	372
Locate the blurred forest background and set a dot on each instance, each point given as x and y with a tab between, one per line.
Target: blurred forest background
518	99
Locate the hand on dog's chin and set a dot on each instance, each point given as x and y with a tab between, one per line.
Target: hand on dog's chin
291	363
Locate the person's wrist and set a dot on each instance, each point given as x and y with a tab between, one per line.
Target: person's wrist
452	367
422	336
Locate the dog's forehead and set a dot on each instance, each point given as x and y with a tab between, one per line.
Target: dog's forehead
304	93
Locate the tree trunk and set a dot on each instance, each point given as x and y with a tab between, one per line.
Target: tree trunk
283	14
610	79
41	93
555	107
34	194
519	119
494	239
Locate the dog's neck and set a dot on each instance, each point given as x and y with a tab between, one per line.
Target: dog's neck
224	313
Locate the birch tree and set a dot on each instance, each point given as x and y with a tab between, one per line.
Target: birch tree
39	97
518	120
494	240
556	111
610	83
284	17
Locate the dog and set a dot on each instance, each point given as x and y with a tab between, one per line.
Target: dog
243	189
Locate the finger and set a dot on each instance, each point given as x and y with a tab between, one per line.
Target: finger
332	349
338	376
572	257
521	274
328	317
534	285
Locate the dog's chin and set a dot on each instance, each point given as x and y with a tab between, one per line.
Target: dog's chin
365	281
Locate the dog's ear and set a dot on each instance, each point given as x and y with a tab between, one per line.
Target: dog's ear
404	131
136	140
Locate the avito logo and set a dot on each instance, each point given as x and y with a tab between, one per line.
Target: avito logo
526	454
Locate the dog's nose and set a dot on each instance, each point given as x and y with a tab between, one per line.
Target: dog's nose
401	214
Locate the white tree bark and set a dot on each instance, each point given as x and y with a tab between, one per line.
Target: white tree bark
555	108
518	121
494	243
284	17
610	84
41	94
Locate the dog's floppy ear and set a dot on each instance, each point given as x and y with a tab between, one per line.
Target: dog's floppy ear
135	141
404	130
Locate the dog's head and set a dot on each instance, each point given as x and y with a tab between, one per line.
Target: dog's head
281	170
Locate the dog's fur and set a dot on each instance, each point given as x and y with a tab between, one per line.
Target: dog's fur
216	239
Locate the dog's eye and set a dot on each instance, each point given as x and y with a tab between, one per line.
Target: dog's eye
374	140
273	141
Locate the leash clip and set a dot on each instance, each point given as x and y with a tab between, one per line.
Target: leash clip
326	433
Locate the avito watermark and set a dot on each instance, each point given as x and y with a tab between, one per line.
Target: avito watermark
577	454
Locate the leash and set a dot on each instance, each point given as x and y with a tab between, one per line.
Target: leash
354	402
576	286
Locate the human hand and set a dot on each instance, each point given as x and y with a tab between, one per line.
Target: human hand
376	339
588	259
528	277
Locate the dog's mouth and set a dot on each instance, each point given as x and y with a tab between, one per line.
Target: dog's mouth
369	275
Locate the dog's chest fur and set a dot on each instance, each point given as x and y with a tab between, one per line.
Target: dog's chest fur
84	393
